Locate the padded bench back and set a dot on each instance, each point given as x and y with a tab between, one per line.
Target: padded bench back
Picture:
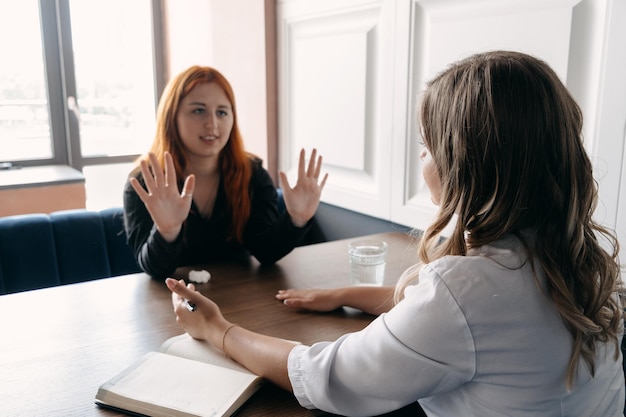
27	253
81	247
40	250
121	258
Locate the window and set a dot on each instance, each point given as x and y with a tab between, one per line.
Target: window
80	86
24	116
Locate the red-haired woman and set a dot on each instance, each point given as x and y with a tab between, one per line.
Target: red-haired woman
199	196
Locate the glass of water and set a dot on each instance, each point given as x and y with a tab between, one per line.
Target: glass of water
367	262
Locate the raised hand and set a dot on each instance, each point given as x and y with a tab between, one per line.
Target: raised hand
167	206
303	199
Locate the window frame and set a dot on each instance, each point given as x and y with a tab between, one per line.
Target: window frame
61	85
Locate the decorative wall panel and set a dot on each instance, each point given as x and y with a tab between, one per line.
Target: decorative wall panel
335	95
351	71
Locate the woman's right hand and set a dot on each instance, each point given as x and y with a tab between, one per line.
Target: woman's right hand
167	206
207	322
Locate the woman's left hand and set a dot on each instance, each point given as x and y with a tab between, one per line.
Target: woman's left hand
322	300
303	199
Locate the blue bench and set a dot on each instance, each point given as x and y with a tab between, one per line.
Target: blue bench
64	247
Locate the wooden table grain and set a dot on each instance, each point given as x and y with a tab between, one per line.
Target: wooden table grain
59	344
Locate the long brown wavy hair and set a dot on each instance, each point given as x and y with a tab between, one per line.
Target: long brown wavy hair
234	161
506	138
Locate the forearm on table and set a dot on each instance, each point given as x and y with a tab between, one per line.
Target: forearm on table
263	355
372	300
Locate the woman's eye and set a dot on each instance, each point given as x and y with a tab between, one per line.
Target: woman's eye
198	111
222	113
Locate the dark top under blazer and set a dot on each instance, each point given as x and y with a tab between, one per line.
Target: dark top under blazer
268	235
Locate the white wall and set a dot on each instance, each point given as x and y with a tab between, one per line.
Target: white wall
609	134
228	35
350	72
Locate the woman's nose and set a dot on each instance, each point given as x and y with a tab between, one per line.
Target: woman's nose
210	122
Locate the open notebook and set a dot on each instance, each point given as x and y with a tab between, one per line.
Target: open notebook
185	378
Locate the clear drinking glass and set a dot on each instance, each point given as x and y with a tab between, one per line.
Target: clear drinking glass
367	262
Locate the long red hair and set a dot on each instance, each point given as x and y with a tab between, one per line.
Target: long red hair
234	161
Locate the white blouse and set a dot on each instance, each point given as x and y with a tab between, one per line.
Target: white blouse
475	337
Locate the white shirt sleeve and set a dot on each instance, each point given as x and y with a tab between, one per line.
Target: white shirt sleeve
422	347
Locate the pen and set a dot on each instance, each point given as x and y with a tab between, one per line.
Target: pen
190	306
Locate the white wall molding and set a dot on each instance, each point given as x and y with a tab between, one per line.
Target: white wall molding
366	62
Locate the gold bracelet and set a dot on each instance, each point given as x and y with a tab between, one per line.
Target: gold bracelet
224	338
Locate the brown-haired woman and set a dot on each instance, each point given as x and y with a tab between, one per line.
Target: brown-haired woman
226	206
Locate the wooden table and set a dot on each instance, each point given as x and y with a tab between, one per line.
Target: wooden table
59	344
